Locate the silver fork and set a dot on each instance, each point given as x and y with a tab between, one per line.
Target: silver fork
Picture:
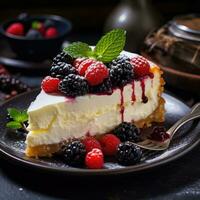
159	146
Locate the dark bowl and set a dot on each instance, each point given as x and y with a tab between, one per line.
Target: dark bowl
37	49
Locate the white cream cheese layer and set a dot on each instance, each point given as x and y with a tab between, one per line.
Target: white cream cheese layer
53	119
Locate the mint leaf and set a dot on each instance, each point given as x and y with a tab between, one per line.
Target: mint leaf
110	45
78	49
18	116
22	117
13	112
14	125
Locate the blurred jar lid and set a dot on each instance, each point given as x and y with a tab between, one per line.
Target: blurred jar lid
186	27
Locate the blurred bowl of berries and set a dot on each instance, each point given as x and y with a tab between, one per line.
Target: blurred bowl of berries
36	38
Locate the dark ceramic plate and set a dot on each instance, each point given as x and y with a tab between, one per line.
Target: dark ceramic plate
12	144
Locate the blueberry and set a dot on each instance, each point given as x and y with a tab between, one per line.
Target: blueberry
33	34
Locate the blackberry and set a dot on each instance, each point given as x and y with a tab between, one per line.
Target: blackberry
74	85
105	87
127	132
62	69
121	71
74	153
62	57
128	153
9	84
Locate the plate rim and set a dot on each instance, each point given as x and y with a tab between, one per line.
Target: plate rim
82	172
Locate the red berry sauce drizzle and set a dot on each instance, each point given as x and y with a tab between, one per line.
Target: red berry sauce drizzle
144	97
133	97
122	104
133	92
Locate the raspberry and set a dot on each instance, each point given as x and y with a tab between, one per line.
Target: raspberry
141	66
91	143
94	159
78	61
16	29
50	85
83	66
51	32
96	73
109	143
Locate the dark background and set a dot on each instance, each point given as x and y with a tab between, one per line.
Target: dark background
89	14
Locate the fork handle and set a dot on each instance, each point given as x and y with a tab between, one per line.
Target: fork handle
194	114
195	108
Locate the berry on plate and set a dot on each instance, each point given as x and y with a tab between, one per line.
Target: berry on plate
128	153
109	144
50	84
141	66
159	134
16	29
83	66
94	159
51	32
127	132
91	143
96	73
74	153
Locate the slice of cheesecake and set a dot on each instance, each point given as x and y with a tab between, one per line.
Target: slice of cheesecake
55	119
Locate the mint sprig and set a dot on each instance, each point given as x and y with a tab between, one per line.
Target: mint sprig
107	48
110	45
78	49
18	119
